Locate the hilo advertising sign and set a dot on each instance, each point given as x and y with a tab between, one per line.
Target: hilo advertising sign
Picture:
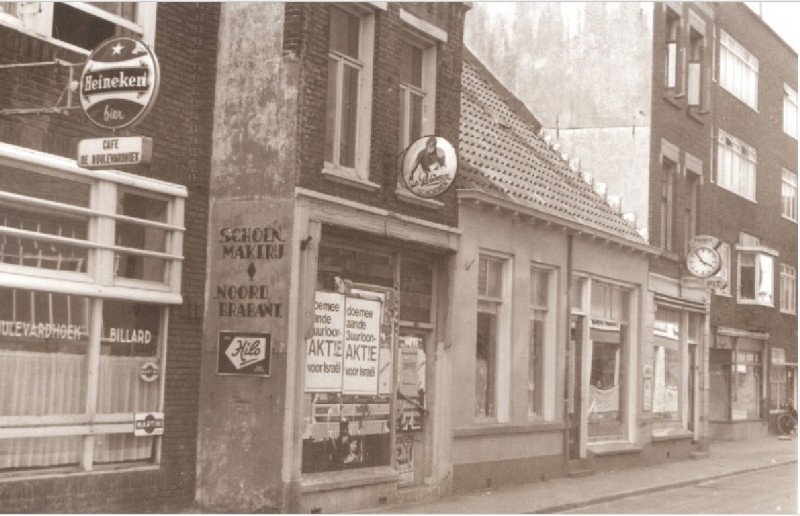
343	356
119	83
244	354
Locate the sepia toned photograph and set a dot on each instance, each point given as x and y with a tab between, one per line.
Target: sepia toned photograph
398	257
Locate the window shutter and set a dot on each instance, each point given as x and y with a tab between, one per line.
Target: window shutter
765	281
693	93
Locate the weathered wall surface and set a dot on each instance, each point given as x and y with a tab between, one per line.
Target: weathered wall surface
252	186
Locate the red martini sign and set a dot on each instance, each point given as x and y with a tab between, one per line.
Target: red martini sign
119	83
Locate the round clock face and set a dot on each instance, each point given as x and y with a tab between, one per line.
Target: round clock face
703	262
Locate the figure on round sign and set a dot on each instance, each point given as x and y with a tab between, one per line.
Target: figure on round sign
431	158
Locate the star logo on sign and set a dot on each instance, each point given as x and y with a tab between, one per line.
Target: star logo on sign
117	49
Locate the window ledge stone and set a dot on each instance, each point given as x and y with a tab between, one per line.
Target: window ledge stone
341	479
505	429
671	434
601	449
342	177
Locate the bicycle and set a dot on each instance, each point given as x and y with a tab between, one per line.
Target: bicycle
787	422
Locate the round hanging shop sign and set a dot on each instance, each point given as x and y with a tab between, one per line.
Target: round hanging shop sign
119	83
429	166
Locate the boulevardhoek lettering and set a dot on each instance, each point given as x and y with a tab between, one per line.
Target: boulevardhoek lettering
130	79
41	330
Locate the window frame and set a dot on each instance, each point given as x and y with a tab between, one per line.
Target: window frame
357	175
789	111
788	289
745	154
427	89
502	309
733	53
97	285
37	17
789	201
756	252
547	313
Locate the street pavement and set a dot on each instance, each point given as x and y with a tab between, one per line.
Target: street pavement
726	458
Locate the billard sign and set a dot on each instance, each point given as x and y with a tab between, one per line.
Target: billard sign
119	83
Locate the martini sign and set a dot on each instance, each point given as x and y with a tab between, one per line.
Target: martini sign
119	83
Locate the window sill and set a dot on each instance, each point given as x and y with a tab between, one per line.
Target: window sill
505	429
784	217
406	196
737	194
730	422
342	479
671	433
674	101
24	476
601	449
696	116
342	177
747	302
670	255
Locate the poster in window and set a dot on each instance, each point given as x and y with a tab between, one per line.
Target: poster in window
361	346
324	351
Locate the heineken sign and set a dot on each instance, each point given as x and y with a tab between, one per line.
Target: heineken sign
119	83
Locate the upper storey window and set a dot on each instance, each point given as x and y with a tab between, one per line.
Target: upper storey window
349	92
84	25
790	111
738	71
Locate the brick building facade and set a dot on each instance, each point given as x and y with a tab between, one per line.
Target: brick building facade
63	452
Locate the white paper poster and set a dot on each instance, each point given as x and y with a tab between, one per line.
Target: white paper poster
324	351
361	346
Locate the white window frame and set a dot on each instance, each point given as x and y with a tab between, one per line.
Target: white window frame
789	195
358	175
37	18
548	360
97	284
738	71
501	307
764	257
740	157
788	289
427	91
790	111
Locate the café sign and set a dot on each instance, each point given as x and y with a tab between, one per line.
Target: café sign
114	152
119	83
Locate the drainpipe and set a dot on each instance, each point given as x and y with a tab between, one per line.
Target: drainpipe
568	318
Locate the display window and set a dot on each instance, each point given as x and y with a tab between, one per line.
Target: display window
736	379
609	349
83	317
365	377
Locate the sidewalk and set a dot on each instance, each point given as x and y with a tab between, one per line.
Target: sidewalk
726	458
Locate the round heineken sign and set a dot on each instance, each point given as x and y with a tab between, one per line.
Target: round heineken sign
119	82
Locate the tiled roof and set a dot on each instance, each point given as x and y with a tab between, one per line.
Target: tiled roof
501	154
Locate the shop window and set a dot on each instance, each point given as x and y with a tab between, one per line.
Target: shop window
755	273
790	111
789	195
609	350
492	338
84	25
788	289
77	365
736	166
738	70
349	92
416	291
778	385
667	356
736	378
541	342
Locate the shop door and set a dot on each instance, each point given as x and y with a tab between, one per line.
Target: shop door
574	367
413	421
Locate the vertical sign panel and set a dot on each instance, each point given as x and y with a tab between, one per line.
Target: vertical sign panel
361	346
324	349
